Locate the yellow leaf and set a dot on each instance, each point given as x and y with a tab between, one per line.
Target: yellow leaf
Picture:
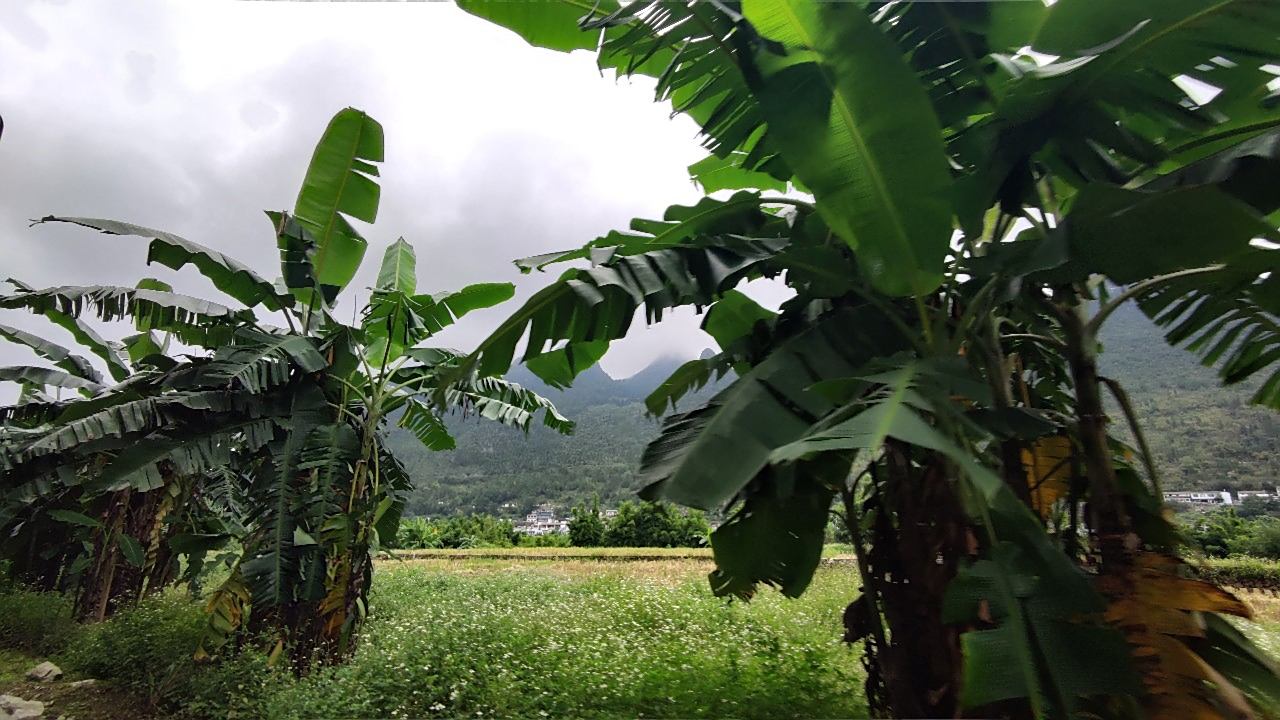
1048	467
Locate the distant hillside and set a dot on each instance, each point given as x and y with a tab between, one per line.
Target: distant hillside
494	465
1203	435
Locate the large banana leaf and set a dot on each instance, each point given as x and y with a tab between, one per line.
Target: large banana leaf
188	452
195	321
549	24
1221	43
1106	119
257	361
505	402
420	420
740	214
339	184
856	125
399	268
82	333
598	304
228	275
270	570
1227	318
1130	235
1248	171
53	352
112	416
29	374
704	458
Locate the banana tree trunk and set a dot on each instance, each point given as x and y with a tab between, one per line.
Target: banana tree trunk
909	565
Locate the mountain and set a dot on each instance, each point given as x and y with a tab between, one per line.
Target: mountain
1202	435
498	470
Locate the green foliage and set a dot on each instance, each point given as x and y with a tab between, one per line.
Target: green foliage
930	415
40	623
529	642
146	649
1242	571
1221	533
586	525
292	421
655	524
455	531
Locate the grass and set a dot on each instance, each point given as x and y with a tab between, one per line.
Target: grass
833	551
538	638
528	634
524	636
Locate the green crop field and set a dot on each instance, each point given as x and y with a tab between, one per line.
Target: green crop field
527	632
514	636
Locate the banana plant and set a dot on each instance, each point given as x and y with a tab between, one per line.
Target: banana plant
272	436
968	217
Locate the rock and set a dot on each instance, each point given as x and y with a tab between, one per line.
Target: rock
15	708
83	683
45	672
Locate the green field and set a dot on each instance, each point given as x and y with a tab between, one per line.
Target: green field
520	636
530	632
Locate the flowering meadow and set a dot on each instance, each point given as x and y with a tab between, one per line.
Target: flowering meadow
524	635
493	638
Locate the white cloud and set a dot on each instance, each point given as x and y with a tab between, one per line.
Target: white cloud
193	116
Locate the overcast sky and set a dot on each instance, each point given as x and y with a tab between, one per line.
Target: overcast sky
195	115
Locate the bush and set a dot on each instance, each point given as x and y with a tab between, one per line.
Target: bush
456	531
1246	572
586	527
1222	533
647	524
145	649
37	622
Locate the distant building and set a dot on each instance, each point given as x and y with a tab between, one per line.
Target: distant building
1263	494
1202	497
543	521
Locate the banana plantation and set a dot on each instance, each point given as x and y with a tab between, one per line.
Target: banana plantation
957	196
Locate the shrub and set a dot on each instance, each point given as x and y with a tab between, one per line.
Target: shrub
1246	572
456	531
586	527
37	622
417	533
647	524
145	649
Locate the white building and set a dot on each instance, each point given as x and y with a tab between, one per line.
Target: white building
1264	494
1201	497
542	521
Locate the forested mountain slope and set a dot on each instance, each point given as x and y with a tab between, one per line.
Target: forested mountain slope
1203	435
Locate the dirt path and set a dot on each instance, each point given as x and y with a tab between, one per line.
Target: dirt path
98	701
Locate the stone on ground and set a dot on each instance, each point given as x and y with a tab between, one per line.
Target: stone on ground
45	672
15	708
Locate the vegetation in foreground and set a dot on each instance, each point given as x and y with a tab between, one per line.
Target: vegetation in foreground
486	638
